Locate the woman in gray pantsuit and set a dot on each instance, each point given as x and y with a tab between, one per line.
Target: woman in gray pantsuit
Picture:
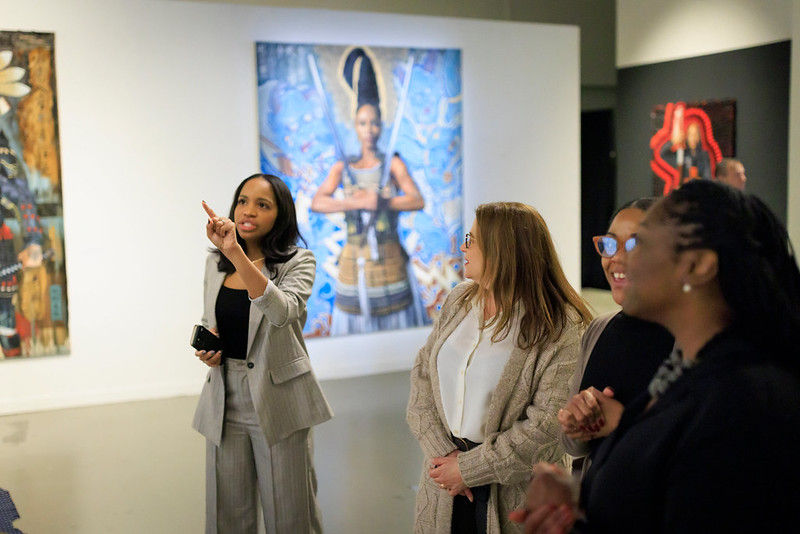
259	401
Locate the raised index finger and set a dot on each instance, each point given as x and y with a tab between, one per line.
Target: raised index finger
209	210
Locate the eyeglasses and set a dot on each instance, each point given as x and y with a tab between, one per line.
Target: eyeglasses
468	239
608	245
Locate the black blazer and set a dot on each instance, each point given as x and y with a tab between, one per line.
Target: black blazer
716	453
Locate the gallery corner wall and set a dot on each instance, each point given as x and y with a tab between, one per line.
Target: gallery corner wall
663	30
653	31
157	110
756	78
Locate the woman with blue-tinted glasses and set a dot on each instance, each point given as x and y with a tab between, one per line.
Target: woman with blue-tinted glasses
619	353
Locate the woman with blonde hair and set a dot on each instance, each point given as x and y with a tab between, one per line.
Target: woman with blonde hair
487	385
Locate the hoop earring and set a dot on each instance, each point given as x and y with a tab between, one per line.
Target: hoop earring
686	288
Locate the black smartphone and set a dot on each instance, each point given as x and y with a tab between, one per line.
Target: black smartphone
204	339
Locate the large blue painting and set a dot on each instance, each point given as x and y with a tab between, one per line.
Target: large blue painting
369	141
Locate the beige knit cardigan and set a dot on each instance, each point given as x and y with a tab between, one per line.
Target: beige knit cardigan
521	428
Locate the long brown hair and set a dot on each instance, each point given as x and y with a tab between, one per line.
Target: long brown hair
521	266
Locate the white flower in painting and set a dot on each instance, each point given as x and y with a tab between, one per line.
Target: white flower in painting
10	84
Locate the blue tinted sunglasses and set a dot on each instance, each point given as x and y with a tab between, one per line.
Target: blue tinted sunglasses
608	245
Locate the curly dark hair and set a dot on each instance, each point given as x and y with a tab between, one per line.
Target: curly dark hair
279	244
758	273
642	204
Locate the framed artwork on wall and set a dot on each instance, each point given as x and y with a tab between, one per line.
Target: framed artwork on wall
689	139
33	286
369	141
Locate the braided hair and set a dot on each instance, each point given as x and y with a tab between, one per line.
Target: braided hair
758	274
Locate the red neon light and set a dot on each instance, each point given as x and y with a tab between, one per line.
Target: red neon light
664	170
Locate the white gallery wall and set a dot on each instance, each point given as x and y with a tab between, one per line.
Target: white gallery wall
653	31
157	110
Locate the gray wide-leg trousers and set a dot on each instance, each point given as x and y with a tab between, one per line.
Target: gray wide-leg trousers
244	466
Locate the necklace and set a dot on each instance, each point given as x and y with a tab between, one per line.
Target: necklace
668	373
257	259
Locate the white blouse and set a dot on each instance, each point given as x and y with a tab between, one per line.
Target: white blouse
469	367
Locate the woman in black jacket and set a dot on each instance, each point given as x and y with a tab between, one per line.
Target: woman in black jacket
708	447
619	352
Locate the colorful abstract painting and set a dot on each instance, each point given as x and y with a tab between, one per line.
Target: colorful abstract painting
33	286
689	139
369	140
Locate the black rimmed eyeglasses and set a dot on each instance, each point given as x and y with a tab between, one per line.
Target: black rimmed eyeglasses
468	239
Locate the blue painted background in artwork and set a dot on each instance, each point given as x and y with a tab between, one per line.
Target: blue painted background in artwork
297	145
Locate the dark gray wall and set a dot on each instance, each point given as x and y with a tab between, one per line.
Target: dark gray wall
758	78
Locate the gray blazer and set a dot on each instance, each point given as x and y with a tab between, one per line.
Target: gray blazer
286	394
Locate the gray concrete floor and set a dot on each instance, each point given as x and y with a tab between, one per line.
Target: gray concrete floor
138	466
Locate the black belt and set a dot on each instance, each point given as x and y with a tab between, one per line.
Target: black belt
463	444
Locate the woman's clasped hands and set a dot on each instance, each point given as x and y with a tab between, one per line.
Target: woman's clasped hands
446	473
590	414
550	505
364	199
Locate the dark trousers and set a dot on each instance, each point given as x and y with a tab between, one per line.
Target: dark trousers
469	517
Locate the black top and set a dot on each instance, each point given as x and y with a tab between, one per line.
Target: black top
233	319
625	358
714	454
